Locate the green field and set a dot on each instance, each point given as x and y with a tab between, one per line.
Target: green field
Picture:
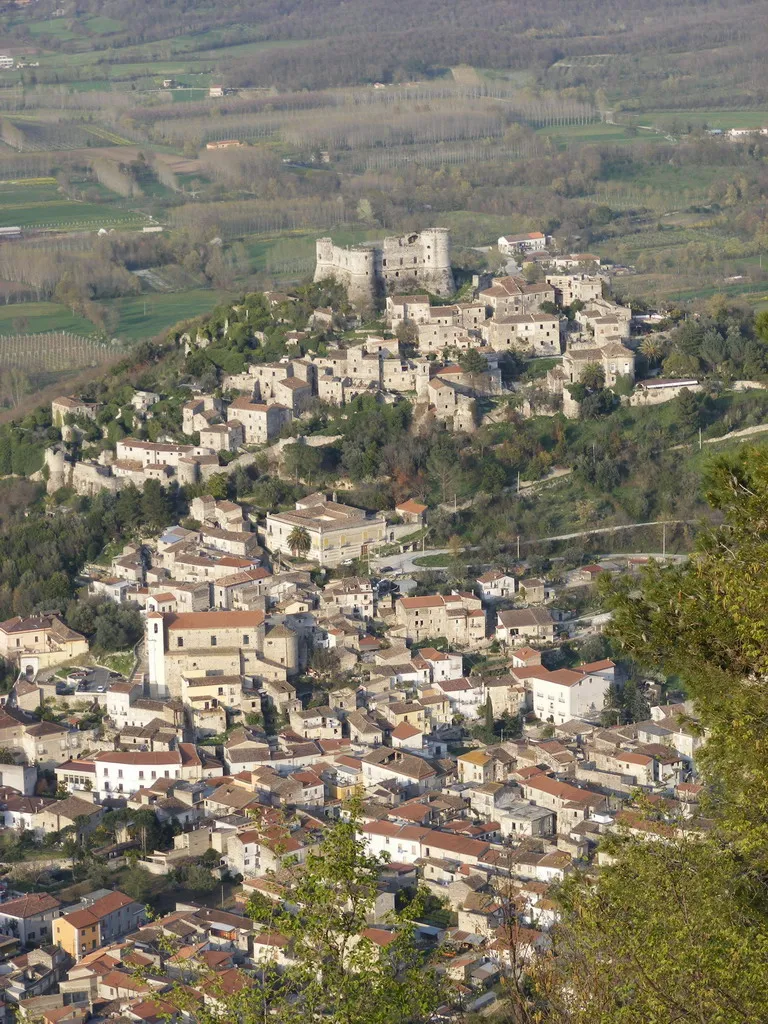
100	25
188	95
747	118
41	317
598	133
162	311
58	27
134	324
38	205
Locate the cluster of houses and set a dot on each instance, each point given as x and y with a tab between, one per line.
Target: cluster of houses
267	692
230	728
487	826
420	358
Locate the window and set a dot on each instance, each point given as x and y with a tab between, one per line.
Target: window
106	773
180	641
213	641
154	775
141	775
246	639
119	773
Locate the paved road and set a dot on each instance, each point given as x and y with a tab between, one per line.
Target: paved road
610	529
405	563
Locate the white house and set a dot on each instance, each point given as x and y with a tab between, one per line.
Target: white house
533	241
121	774
30	918
441	664
465	696
571	693
496	585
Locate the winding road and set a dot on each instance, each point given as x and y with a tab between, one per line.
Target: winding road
406	562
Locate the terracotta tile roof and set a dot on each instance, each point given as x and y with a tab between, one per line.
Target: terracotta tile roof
411	506
29	905
214	620
404	731
138	757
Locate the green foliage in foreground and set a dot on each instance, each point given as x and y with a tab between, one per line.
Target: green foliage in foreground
676	928
334	975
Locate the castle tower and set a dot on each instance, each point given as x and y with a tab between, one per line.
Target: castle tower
57	469
356	268
439	277
420	261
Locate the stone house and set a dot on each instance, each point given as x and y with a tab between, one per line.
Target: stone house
576	287
457	617
535	334
526	624
260	422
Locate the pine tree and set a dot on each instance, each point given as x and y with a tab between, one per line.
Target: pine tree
489	721
612	707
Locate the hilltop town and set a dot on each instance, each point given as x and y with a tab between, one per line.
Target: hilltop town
291	665
453	362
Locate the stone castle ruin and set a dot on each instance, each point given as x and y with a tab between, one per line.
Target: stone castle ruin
372	270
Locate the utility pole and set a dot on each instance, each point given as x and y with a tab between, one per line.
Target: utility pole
518	481
699	438
518	547
663	540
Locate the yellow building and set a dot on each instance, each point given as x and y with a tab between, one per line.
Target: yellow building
475	766
78	933
97	924
337	532
38	642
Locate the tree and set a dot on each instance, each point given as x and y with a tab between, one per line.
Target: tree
302	460
627	942
489	722
592	377
635	706
653	348
407	333
473	364
624	948
138	884
442	467
594	648
611	713
688	410
335	976
155	506
299	541
761	324
199	878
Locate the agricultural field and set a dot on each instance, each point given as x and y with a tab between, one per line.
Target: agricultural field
53	352
40	204
40	317
145	316
746	118
598	133
465	141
